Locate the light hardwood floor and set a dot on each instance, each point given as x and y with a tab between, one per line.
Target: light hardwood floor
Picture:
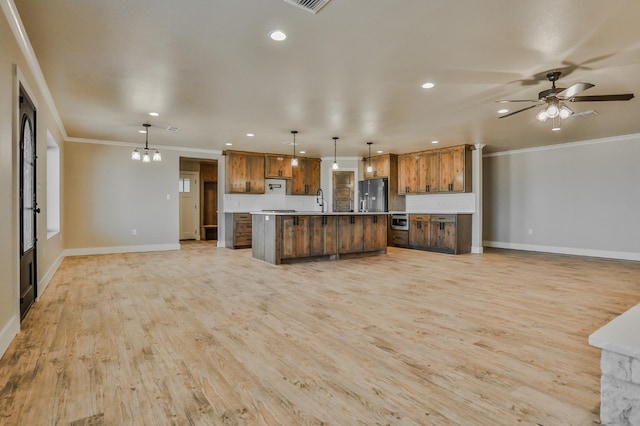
211	336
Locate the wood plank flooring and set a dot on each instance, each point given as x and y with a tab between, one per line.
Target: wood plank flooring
210	336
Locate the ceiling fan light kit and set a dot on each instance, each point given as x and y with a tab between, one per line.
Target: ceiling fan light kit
553	100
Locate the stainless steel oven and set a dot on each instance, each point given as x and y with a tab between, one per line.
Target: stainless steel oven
400	221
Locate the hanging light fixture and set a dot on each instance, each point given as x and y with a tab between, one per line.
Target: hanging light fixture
369	167
556	111
294	160
335	159
146	156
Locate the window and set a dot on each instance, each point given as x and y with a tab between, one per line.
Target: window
53	186
184	185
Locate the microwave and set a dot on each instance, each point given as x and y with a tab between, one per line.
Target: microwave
400	221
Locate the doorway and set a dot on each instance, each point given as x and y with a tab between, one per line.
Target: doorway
189	205
28	205
343	191
198	188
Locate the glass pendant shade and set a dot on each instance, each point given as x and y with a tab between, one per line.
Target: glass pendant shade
294	161
542	115
157	156
565	112
335	166
135	155
553	111
146	158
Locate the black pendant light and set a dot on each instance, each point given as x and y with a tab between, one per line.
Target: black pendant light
146	156
369	168
294	160
335	159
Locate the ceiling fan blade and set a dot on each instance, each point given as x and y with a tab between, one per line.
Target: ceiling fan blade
574	90
601	98
515	112
506	101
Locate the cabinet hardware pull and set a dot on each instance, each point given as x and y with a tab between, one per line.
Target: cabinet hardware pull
248	186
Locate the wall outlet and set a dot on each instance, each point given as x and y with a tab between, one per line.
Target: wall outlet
530	231
134	232
168	196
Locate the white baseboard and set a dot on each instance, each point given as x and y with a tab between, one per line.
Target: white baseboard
477	250
44	281
622	255
8	333
120	249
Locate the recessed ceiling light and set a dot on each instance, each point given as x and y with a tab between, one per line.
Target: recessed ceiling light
250	135
428	85
435	141
142	131
503	111
277	35
379	151
228	144
303	152
154	114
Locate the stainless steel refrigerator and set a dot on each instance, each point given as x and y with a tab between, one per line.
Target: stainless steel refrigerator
373	194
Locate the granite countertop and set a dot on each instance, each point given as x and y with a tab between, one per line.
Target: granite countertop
620	335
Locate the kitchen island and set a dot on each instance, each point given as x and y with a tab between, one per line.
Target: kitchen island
280	237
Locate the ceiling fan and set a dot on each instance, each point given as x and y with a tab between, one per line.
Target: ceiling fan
554	100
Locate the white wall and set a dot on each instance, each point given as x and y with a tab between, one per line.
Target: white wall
108	196
578	198
15	69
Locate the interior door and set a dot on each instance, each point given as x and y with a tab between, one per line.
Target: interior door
28	205
343	191
189	205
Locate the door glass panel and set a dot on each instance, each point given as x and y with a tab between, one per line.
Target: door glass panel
28	217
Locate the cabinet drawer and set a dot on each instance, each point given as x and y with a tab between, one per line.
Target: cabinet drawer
443	218
242	217
419	218
399	238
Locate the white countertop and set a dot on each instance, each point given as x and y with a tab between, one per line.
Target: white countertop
313	213
621	335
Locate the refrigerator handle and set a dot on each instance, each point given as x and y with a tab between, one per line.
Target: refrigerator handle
363	204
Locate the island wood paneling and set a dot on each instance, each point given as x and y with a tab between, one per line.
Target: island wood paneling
210	336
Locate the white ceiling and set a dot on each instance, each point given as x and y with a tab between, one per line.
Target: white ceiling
353	70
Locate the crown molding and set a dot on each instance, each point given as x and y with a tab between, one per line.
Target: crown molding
13	17
138	145
621	138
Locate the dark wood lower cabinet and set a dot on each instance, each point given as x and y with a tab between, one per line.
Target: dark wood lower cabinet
449	233
351	234
279	238
237	230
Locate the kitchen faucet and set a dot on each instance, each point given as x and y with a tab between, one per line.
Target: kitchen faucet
320	198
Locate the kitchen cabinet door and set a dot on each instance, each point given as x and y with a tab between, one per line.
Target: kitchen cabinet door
305	177
443	233
429	172
455	169
322	236
419	231
375	232
244	173
295	237
277	166
408	173
351	234
380	166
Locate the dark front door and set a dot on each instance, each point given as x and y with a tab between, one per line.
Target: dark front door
28	206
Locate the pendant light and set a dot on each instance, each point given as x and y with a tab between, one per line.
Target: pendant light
146	156
294	160
369	167
335	159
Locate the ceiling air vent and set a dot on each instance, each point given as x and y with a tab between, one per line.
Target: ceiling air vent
173	129
312	6
584	114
